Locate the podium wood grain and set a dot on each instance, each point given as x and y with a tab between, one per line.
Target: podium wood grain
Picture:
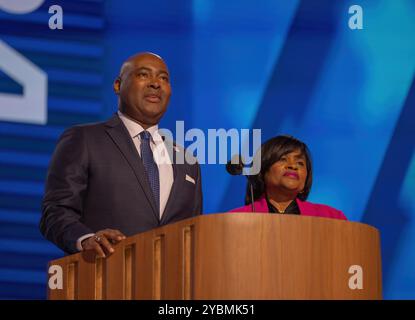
231	256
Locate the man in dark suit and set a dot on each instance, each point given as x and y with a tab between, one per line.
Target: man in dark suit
110	180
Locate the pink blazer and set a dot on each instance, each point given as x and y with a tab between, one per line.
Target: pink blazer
306	209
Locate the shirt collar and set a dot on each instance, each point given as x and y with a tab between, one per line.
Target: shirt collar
134	128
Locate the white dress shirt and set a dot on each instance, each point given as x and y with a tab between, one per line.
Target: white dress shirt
160	154
161	157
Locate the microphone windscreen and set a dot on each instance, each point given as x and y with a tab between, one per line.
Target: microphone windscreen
235	165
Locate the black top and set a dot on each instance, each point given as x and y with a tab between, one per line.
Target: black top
291	209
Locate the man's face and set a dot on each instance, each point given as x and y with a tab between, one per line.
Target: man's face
144	89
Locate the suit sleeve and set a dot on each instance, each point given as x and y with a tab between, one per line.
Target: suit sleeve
66	186
198	208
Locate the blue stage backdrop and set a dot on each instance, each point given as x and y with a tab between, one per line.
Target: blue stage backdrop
293	67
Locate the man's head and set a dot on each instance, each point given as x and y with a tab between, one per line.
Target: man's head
143	88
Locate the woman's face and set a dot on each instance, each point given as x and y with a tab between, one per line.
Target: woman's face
289	173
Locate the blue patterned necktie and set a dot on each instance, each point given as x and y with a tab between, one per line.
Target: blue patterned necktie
150	166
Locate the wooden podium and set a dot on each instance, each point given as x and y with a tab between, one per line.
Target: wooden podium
233	256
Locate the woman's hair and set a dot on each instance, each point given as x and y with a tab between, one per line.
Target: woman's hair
271	152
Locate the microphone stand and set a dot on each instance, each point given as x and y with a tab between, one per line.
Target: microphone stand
251	187
236	168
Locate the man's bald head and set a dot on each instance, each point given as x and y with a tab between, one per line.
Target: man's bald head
133	60
143	88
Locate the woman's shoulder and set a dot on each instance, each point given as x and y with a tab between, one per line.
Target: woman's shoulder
320	210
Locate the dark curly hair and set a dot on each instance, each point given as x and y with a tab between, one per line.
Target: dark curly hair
272	151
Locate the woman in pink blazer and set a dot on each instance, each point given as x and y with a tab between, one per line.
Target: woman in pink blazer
285	180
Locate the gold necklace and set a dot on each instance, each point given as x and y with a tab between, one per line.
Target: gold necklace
279	210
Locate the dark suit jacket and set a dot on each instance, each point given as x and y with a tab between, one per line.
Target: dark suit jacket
96	180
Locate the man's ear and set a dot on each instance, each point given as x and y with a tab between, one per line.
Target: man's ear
117	85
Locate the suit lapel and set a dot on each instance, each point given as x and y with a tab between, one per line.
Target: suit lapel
119	134
179	177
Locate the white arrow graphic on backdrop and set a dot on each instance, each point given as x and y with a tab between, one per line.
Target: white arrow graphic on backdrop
31	107
20	6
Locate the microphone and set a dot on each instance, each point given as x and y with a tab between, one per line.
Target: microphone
235	167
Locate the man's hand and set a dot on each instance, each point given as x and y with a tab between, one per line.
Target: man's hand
102	241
